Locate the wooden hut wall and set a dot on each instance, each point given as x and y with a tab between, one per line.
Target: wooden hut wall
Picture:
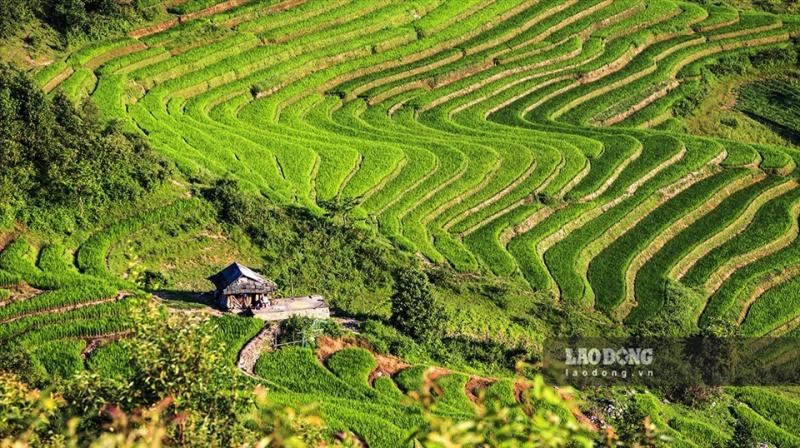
244	285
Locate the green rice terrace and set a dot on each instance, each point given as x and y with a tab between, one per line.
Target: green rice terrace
556	167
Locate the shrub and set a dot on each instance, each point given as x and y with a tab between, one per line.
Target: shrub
736	64
152	280
414	310
306	330
385	339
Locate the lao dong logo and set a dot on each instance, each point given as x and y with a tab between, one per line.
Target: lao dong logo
624	363
609	356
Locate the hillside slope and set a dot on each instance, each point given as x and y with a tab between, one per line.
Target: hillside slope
514	138
535	143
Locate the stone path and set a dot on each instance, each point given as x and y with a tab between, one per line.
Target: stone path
265	339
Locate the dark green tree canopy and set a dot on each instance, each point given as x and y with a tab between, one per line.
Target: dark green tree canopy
53	153
92	18
414	310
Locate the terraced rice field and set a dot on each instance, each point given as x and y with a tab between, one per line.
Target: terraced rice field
518	138
69	321
512	137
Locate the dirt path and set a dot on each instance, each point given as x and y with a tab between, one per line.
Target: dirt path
248	356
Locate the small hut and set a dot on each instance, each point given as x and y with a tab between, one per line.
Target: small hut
241	288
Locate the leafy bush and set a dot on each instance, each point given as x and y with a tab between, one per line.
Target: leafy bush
774	57
297	328
25	410
773	102
152	280
414	310
549	425
14	15
492	355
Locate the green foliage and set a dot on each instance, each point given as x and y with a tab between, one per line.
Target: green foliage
774	102
33	418
500	426
152	280
782	409
387	339
465	133
27	412
55	154
111	360
777	306
412	379
298	369
58	298
91	256
494	356
73	19
60	359
414	310
234	332
177	358
14	15
305	330
197	372
753	429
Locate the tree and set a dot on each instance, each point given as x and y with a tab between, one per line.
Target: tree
174	357
234	205
414	310
14	15
152	280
